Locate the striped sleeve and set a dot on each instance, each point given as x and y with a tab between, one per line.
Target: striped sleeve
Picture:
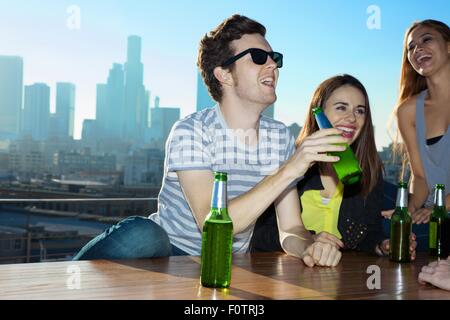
290	148
187	147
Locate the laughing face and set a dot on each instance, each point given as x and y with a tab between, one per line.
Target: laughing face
427	50
346	110
253	83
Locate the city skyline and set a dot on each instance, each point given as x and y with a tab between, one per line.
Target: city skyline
319	39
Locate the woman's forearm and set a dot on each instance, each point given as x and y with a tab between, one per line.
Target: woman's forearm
419	188
296	242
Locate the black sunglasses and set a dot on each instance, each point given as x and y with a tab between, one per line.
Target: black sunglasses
259	56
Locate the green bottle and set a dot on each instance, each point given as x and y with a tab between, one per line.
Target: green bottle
347	168
401	224
438	221
217	238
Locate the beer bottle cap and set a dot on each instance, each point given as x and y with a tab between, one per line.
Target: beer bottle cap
220	176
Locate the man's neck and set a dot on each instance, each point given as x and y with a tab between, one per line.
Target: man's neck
242	119
240	116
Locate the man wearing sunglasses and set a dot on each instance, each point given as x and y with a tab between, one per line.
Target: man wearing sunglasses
241	72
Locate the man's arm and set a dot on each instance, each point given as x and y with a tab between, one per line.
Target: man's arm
246	208
243	210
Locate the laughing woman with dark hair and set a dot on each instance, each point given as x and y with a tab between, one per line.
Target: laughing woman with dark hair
348	217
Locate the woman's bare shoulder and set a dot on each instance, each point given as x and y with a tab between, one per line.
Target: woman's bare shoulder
407	109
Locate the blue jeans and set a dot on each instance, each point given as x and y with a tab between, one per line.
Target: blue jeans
132	238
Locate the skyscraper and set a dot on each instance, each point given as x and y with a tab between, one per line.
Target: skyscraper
36	111
11	91
204	100
114	109
65	109
90	134
269	111
162	120
134	91
101	110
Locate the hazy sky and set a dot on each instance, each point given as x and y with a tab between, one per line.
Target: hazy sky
319	39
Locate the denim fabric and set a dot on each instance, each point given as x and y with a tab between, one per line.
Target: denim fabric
132	238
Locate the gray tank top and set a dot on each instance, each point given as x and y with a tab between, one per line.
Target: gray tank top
436	157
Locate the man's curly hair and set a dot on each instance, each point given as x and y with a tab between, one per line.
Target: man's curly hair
215	48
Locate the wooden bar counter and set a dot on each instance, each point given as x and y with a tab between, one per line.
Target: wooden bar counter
258	276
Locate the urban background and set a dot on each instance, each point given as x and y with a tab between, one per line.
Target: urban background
64	178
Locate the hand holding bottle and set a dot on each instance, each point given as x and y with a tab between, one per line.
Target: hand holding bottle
314	149
384	247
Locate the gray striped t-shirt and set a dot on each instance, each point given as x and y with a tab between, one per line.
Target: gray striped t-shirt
202	141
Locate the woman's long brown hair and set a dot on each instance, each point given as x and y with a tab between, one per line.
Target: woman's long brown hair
364	146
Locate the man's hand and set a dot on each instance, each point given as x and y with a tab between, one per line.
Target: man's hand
321	254
314	149
326	237
421	215
436	273
412	246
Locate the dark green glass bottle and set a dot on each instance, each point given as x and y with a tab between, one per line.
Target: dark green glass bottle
347	168
217	238
401	224
438	221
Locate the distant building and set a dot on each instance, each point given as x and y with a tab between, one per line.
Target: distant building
204	100
82	161
27	158
90	133
393	168
162	120
144	167
101	112
11	92
110	104
36	111
295	130
135	116
65	109
269	111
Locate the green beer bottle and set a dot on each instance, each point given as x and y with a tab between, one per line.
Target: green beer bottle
401	224
347	168
217	238
438	221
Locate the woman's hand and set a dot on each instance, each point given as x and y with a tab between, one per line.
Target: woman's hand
314	149
384	247
436	273
421	215
326	237
321	254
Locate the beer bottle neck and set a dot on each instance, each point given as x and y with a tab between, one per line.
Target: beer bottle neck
402	198
439	198
322	120
219	198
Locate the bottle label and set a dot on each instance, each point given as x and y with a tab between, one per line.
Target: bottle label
433	235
